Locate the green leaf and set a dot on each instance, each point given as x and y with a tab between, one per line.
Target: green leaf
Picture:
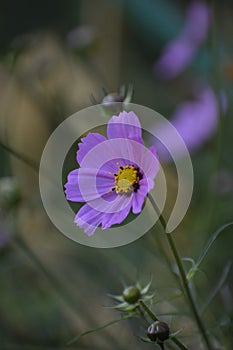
148	297
129	94
192	272
174	334
97	329
146	288
218	285
146	340
117	297
212	239
205	250
121	306
126	307
189	260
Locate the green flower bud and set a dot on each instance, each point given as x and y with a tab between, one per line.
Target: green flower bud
158	331
10	195
131	294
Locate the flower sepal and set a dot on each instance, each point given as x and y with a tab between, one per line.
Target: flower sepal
128	301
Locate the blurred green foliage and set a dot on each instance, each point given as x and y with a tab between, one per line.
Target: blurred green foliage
47	300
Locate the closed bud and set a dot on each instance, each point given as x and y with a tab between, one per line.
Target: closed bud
131	294
112	98
10	195
158	331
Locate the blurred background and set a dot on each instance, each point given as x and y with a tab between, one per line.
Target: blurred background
59	57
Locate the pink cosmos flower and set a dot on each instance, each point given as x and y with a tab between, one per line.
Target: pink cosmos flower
115	174
196	121
178	53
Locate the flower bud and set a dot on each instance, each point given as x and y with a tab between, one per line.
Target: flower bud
158	331
81	37
111	98
10	195
131	294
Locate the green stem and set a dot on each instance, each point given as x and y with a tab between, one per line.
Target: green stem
61	292
97	329
185	283
20	156
58	288
148	310
183	277
155	318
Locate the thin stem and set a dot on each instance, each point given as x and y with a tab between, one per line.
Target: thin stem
185	282
20	156
148	310
63	294
161	346
155	318
182	273
97	329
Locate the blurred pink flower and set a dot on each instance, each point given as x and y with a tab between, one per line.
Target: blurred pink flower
5	235
178	53
196	121
81	37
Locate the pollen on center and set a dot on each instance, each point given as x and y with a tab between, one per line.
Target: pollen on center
125	179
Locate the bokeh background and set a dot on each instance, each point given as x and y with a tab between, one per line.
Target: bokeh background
58	57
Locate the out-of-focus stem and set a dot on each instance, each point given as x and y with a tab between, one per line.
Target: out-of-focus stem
20	156
61	292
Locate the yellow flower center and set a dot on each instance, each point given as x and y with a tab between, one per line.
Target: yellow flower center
125	179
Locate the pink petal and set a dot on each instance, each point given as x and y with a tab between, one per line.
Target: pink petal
139	197
126	125
85	184
88	142
150	166
72	191
115	218
88	219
